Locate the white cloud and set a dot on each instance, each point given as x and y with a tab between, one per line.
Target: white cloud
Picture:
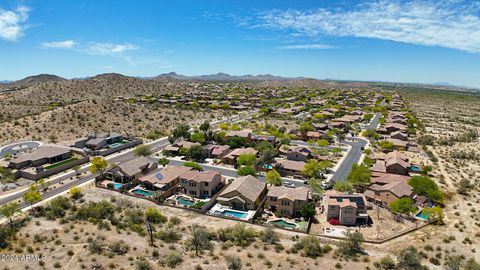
67	44
307	47
12	23
109	48
447	23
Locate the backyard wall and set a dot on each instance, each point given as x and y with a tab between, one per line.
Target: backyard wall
53	171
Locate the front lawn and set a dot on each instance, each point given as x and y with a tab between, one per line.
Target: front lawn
60	163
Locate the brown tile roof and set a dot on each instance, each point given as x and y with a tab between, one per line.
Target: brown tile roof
385	178
399	188
291	164
199	176
299	193
249	186
134	166
165	175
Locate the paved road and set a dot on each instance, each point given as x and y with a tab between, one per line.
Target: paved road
16	147
353	157
375	121
120	157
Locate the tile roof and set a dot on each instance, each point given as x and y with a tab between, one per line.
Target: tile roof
41	152
249	186
298	193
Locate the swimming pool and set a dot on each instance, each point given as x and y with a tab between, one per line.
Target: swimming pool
117	185
284	224
184	201
113	145
415	168
142	192
423	215
235	214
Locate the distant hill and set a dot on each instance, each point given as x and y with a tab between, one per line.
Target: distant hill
31	80
226	77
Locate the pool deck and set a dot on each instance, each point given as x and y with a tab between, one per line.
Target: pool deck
220	208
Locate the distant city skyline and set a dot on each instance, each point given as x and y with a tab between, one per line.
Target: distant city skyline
423	41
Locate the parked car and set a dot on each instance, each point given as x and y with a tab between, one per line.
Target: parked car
288	184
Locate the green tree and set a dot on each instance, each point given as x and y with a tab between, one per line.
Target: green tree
273	178
424	185
163	161
236	142
359	177
154	216
99	165
192	164
197	137
314	168
308	211
371	134
199	238
143	150
351	245
197	153
75	193
205	126
32	196
246	159
402	206
386	145
182	131
246	170
322	143
304	128
343	186
410	259
8	210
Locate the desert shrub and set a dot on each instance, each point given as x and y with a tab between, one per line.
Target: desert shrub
270	236
119	247
239	234
96	211
172	259
351	245
169	235
234	262
310	245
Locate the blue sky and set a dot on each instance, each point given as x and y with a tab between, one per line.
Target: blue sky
386	40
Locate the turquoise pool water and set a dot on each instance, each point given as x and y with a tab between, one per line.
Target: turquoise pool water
117	185
234	214
184	201
423	215
113	145
415	168
284	224
142	192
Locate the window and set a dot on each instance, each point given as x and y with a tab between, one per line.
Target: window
273	199
285	203
206	184
193	192
348	210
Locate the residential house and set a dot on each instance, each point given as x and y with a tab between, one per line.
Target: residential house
398	135
244	193
394	165
385	194
399	145
244	133
290	167
202	184
287	201
99	141
299	154
347	209
164	179
40	156
174	148
130	170
217	151
231	158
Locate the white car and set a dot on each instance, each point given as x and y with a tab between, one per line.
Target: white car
288	184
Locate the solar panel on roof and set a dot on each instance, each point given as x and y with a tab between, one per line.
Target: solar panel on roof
159	176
